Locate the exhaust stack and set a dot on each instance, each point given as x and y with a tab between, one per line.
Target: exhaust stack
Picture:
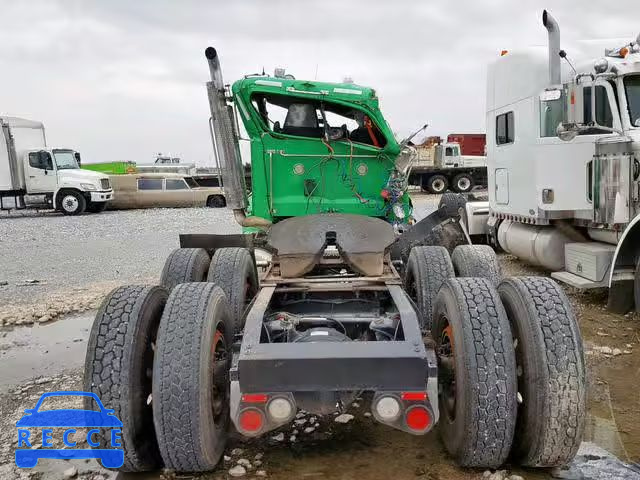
555	77
225	146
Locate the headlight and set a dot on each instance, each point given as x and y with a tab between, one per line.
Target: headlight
88	186
398	211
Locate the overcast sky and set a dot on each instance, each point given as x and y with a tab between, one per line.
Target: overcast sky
124	79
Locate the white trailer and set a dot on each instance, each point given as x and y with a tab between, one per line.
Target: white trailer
33	175
563	157
441	167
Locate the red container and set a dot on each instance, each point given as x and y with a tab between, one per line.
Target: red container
470	143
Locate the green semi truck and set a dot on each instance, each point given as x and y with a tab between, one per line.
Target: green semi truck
352	300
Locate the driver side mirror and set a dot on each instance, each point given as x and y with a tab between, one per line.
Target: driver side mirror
78	159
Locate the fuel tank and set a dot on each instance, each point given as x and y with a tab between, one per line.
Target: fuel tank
535	244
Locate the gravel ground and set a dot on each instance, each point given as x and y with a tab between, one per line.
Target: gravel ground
51	265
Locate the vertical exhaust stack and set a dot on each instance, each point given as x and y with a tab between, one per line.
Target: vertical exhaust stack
226	145
555	76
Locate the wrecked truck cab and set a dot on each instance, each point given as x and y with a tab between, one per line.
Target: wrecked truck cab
319	147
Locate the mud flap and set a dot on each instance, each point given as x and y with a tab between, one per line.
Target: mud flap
438	228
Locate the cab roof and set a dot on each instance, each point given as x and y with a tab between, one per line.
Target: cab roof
346	92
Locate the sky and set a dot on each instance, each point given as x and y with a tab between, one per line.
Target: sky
125	79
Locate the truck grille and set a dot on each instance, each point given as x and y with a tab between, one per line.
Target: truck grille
105	184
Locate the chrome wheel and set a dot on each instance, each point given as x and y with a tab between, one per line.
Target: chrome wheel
464	184
438	185
70	203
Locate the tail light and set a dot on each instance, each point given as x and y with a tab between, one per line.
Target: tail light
258	413
418	419
408	411
387	408
251	421
280	409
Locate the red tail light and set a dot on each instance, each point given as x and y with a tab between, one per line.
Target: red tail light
254	398
418	418
414	396
251	420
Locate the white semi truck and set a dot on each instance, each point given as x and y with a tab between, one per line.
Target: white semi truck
563	159
35	176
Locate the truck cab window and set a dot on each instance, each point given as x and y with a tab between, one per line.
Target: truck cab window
448	152
312	118
632	91
149	184
41	160
65	159
504	128
603	116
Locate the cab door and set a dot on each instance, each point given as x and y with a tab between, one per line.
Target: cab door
40	173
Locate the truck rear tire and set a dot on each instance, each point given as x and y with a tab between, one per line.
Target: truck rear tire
185	265
437	184
119	364
234	270
462	183
191	377
476	373
477	261
452	203
70	202
427	269
96	207
551	372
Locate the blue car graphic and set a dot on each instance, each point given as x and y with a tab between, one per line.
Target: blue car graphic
69	418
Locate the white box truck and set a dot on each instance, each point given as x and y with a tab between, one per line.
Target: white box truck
33	175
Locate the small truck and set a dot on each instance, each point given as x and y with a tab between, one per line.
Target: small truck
34	176
443	167
353	299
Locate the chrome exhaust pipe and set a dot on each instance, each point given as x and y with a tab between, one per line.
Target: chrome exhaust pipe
555	72
226	144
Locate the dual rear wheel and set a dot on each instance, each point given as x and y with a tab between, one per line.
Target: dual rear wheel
160	357
511	366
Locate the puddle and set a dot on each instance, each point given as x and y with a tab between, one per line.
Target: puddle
43	350
604	433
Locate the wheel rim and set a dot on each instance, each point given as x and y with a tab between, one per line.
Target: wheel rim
464	183
447	372
70	203
219	400
437	185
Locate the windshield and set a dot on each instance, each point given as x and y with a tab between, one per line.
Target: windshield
65	159
632	90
